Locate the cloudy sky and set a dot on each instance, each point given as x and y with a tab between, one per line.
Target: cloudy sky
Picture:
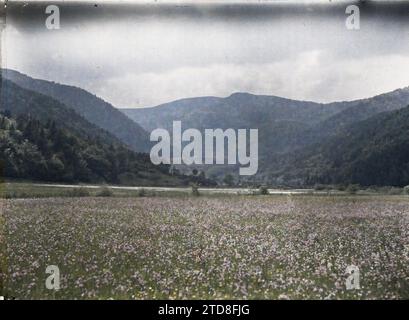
147	54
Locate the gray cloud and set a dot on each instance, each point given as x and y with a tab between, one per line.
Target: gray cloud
142	55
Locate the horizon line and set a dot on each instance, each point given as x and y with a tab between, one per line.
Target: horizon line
205	96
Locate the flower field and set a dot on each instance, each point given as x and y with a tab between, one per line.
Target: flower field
226	247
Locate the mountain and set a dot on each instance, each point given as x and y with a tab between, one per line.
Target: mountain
42	139
278	120
89	106
374	151
355	111
284	125
21	101
236	111
301	143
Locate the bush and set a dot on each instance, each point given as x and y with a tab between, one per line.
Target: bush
105	192
320	187
383	190
10	195
195	191
263	190
372	189
394	191
79	192
339	187
406	190
142	192
352	188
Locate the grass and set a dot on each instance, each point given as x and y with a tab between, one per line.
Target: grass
225	247
3	249
27	189
24	190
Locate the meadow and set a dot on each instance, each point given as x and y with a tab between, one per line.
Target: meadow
224	247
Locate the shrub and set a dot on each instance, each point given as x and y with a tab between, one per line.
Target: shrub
394	191
340	187
142	192
10	195
320	187
352	188
372	189
263	190
406	190
15	195
228	179
195	191
383	190
105	192
79	192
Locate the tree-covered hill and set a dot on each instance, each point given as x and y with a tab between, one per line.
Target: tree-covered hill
20	101
90	107
34	150
286	128
370	152
42	139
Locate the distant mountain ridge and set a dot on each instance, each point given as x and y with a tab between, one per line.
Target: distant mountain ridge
234	111
248	109
42	139
301	143
284	124
374	151
20	101
89	106
356	111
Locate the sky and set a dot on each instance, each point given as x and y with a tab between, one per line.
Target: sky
137	55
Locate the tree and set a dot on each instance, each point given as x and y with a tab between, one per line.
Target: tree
228	179
263	190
